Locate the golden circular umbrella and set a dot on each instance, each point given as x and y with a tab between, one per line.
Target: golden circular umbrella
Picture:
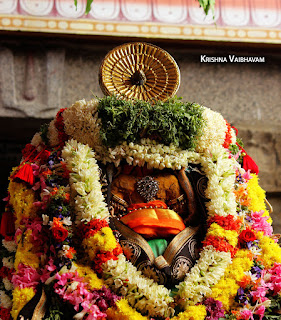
139	71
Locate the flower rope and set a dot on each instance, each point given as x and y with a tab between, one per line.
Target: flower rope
84	180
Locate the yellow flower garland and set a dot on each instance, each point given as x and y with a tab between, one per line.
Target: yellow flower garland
24	252
89	276
257	196
271	251
124	311
20	299
103	240
192	313
22	199
230	235
226	289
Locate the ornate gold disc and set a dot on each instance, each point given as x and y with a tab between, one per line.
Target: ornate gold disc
139	71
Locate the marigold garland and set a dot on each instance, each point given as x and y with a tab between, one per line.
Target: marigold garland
257	196
192	313
124	311
271	251
20	298
227	223
89	276
22	199
225	290
220	244
218	231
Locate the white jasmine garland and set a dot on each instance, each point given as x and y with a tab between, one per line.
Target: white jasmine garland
155	155
53	134
7	284
84	180
11	246
5	300
142	293
207	272
213	132
36	140
220	171
81	122
8	262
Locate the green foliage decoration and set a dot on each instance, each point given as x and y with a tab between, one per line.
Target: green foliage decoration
234	149
205	4
168	122
44	133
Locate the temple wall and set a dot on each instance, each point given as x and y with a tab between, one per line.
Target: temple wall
38	76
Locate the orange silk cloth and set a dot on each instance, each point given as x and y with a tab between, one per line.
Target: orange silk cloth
153	220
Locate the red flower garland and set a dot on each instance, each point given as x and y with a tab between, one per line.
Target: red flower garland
220	244
227	139
28	151
92	227
62	136
104	256
5	314
228	222
6	272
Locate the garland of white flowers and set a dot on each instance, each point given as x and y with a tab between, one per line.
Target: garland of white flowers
84	180
207	272
142	293
220	171
155	155
8	262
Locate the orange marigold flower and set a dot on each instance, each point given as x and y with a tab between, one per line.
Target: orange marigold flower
67	197
57	222
220	244
70	253
46	173
245	281
228	222
104	256
55	191
92	227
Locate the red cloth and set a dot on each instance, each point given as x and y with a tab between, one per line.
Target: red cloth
7	227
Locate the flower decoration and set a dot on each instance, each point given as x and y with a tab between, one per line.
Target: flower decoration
246	236
62	217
